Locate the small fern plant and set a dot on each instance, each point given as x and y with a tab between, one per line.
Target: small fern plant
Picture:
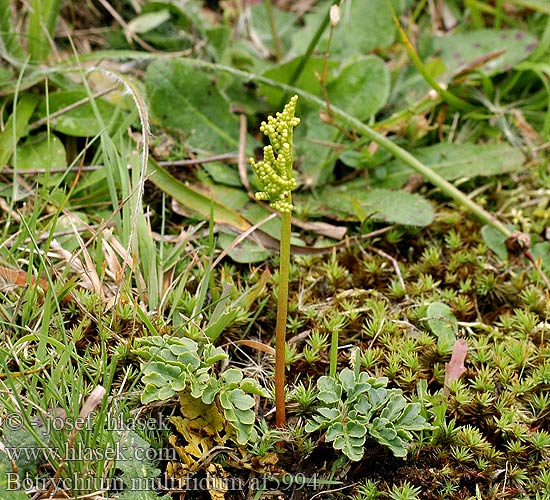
277	182
354	407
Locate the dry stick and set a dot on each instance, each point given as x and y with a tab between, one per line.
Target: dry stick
395	266
128	33
274	33
227	158
241	237
70	107
241	159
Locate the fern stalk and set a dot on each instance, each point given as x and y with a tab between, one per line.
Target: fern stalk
280	328
277	181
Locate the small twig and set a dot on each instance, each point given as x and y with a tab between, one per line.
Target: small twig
241	237
66	109
395	266
334	16
91	403
332	491
273	28
130	36
227	157
529	256
241	159
21	374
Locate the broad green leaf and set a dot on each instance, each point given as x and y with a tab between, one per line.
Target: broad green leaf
80	121
381	204
242	423
316	158
378	382
443	324
250	386
349	438
181	345
199	383
210	391
308	80
220	39
256	213
183	98
188	360
244	417
489	51
411	419
355	430
15	127
378	397
155	379
213	354
159	371
222	173
176	384
362	87
383	430
362	405
453	161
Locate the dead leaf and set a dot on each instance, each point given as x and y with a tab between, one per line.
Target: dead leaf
455	367
259	346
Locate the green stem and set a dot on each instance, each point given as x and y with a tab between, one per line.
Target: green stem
426	172
280	329
309	51
333	352
449	97
273	28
